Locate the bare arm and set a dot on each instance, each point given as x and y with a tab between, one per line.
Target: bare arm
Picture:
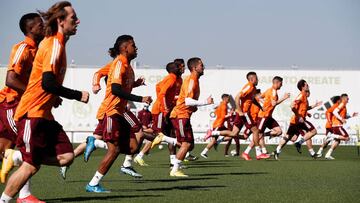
13	81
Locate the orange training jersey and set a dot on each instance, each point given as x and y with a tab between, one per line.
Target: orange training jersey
269	96
21	60
165	94
121	73
189	89
329	115
246	96
254	111
50	57
220	112
101	73
342	112
301	104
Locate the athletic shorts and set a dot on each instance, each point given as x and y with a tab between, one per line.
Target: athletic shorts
39	137
246	120
183	130
247	133
266	122
7	124
161	123
300	128
133	122
339	130
99	128
117	131
328	130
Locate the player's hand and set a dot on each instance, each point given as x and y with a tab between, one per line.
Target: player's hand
301	120
286	95
210	100
140	81
355	114
146	99
96	88
85	96
318	103
58	102
343	121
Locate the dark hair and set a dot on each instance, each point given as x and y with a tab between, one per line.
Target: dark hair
258	91
249	74
301	84
172	67
344	95
278	78
192	62
179	61
335	99
50	16
224	96
114	51
25	19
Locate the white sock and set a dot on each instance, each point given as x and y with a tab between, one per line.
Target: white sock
5	198
187	154
278	149
169	140
205	151
320	150
100	144
172	159
176	166
25	190
257	150
17	158
140	155
329	152
312	152
127	161
248	149
263	150
215	133
96	179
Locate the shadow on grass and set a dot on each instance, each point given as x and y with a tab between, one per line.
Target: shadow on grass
172	180
101	198
188	187
225	174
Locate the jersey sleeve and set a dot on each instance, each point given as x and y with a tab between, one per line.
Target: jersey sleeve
18	56
190	88
102	72
51	60
246	91
118	72
163	90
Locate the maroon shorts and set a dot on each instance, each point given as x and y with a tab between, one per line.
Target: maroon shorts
246	120
99	128
266	122
219	128
39	137
183	130
133	122
161	123
328	130
247	132
7	124
117	131
300	128
339	130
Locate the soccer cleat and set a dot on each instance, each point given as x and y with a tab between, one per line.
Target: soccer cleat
191	158
298	147
29	199
329	139
90	147
7	164
203	155
181	166
262	156
140	161
130	171
226	155
96	189
329	157
208	134
158	139
276	155
63	171
178	173
318	155
246	156
314	156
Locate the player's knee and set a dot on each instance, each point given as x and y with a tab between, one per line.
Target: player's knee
66	159
347	138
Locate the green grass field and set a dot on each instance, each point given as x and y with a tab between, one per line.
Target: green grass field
295	178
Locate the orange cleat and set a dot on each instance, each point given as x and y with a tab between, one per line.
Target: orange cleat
29	199
246	156
263	156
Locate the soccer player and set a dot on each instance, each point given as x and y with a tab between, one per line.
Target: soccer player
243	100
166	90
220	112
265	120
17	77
338	120
229	121
41	139
118	136
328	126
298	124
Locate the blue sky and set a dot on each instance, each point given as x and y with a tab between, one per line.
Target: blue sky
250	33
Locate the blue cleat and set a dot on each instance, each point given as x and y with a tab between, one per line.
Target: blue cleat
130	171
97	189
90	147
